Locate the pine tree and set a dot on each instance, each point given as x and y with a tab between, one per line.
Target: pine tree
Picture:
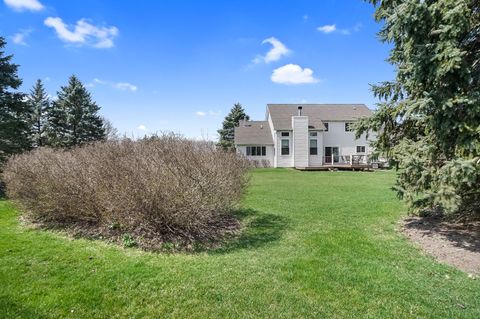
14	113
39	103
73	117
227	132
428	118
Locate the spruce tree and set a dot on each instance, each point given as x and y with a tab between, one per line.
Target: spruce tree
428	118
73	117
227	132
14	112
39	104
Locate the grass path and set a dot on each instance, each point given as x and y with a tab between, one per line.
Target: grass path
316	244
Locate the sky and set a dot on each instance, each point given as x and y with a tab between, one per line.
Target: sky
177	65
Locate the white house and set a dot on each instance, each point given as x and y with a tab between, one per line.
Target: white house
305	136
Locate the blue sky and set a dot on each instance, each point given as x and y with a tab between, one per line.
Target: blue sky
179	65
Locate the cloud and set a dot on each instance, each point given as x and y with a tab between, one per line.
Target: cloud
124	86
329	28
305	17
215	113
20	37
276	52
22	5
84	33
209	113
142	127
293	74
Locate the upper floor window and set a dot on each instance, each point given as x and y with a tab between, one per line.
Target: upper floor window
326	127
361	149
285	133
256	151
313	133
348	127
285	147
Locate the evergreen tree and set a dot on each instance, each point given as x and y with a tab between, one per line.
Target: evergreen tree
39	103
428	120
14	129
227	132
73	118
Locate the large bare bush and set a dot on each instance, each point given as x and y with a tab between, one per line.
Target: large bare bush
160	186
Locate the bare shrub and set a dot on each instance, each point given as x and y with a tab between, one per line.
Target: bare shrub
159	187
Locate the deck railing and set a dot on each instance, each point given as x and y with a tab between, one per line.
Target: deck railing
345	160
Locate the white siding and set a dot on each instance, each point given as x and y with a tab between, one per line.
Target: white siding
242	149
345	141
283	160
316	160
274	138
300	140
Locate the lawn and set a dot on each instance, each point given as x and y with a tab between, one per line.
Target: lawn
315	244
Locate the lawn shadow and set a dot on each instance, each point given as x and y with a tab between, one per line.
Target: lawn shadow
14	309
466	236
258	229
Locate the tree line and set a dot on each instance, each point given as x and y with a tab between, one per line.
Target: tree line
34	119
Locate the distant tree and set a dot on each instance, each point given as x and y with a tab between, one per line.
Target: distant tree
111	132
39	104
73	118
227	132
428	121
14	112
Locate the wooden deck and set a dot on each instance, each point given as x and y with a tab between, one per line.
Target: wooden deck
330	167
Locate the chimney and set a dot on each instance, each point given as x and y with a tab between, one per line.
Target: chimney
300	110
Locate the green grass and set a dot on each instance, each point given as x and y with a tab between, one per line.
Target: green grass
316	244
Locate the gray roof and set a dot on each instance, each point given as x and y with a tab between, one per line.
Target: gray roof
253	132
282	114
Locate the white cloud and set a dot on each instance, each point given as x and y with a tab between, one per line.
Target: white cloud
20	37
142	127
215	113
84	33
124	86
201	113
276	52
293	74
21	5
329	28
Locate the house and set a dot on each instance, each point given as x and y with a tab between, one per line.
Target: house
305	136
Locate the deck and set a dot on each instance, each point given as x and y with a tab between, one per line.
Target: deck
340	162
330	167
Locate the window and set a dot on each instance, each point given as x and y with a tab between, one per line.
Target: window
313	147
360	149
285	147
326	127
313	133
285	133
256	150
348	127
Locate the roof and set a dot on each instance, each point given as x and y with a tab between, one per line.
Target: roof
282	114
253	132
